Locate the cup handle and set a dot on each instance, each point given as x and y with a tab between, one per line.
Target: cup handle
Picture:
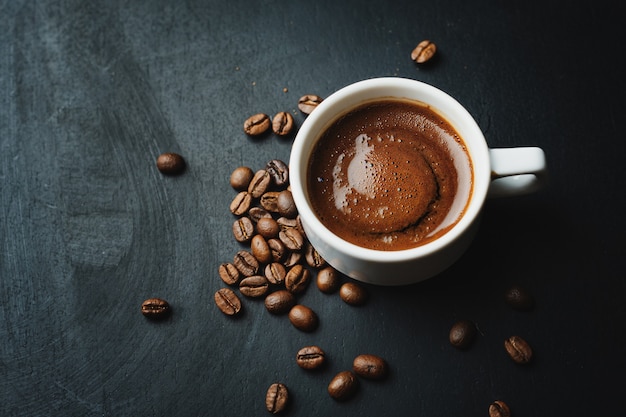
516	171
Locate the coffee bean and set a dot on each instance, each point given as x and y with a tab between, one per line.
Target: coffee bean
282	123
285	205
518	349
279	251
279	171
462	334
308	103
370	366
241	203
280	302
269	201
303	318
258	213
275	273
328	280
292	239
312	258
292	259
260	183
343	385
243	229
155	308
310	357
170	163
353	293
423	52
257	124
499	409
246	263
519	298
227	301
229	273
277	398
240	178
260	249
267	227
297	279
254	286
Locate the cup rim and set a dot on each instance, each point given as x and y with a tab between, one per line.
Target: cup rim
327	111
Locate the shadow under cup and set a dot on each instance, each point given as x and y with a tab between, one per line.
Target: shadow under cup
393	267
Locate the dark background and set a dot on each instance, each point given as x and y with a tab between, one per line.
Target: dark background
91	92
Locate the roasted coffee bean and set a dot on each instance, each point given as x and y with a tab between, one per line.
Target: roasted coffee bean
292	239
170	163
269	201
423	52
243	229
254	286
267	227
227	301
282	123
285	205
519	298
310	357
328	280
353	293
277	398
312	258
292	259
275	273
260	249
260	183
499	409
257	124
229	273
155	308
303	318
240	178
462	334
518	349
297	279
241	203
308	103
246	263
258	213
343	385
370	366
280	302
278	248
279	171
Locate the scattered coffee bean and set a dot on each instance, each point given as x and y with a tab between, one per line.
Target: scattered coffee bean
303	318
499	409
170	163
254	286
312	257
370	366
277	398
292	259
260	183
260	249
240	178
519	298
229	273
343	385
310	357
518	349
267	227
292	239
297	279
227	301
462	334
269	201
353	293
280	302
279	251
285	205
282	123
243	229
279	171
258	213
423	52
155	308
275	273
308	103
241	203
257	124
328	280
246	263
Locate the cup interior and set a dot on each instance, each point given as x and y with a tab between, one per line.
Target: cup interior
384	88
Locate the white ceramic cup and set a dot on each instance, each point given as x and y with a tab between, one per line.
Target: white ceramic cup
496	172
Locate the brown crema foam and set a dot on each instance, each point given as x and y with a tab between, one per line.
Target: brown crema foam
385	175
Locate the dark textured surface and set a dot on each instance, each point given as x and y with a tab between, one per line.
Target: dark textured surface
92	92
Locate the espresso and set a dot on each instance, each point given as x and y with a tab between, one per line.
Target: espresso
390	174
